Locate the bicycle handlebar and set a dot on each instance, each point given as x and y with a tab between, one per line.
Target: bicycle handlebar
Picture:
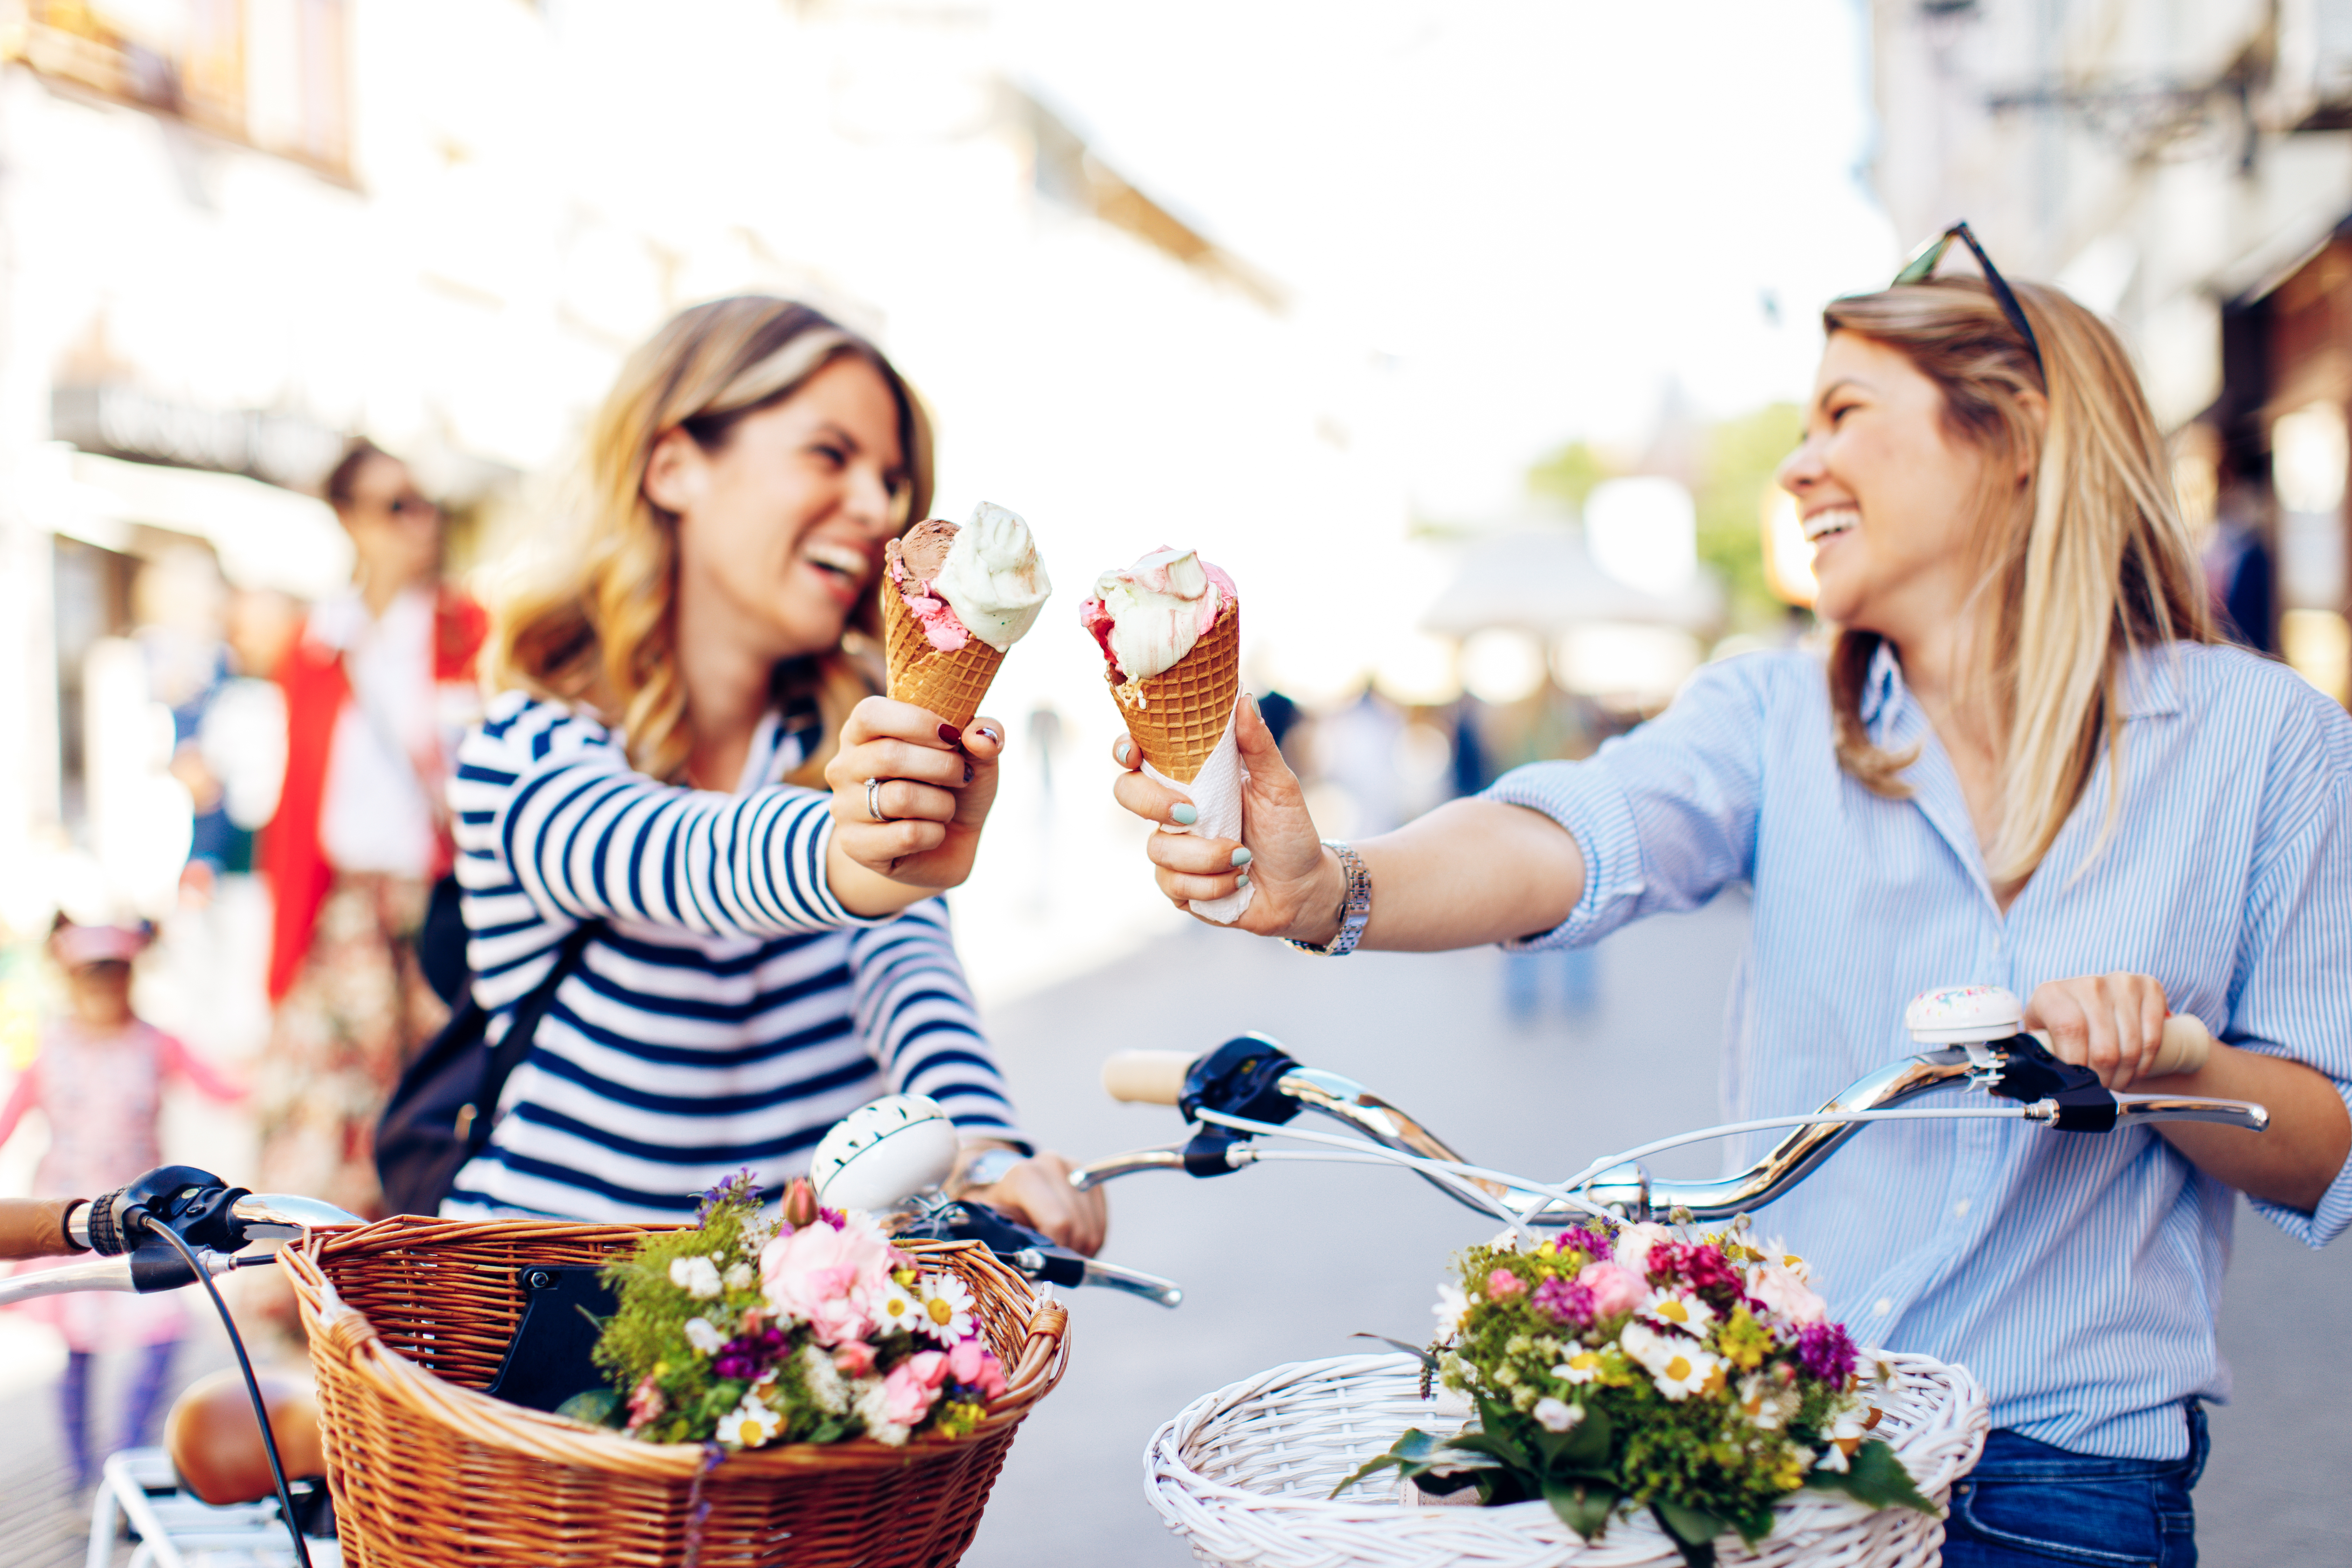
1250	1085
1157	1077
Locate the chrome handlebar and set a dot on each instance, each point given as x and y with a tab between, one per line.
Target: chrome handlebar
1252	1077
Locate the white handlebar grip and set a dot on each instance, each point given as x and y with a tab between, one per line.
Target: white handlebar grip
2187	1043
1145	1078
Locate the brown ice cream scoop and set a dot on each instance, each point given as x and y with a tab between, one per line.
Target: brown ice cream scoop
922	550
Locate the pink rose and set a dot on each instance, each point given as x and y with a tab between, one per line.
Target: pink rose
827	1279
974	1365
1778	1291
645	1403
854	1358
1614	1290
1502	1285
913	1387
1634	1244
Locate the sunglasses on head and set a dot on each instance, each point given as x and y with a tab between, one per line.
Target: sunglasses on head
1922	266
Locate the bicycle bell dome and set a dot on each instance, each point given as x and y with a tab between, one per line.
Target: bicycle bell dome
882	1153
1957	1014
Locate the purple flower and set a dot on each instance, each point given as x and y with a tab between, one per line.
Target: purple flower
1595	1247
833	1217
738	1368
1825	1352
1566	1300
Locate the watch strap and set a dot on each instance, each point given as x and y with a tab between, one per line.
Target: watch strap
1355	906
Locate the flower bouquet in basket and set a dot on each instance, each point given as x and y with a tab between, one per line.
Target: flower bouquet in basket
811	1328
1696	1376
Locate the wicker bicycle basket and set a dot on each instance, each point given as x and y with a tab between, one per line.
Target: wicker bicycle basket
409	1318
1245	1475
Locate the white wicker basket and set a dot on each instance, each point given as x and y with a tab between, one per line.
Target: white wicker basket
1245	1475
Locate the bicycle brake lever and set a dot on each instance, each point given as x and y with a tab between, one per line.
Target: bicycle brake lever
2031	1075
1034	1254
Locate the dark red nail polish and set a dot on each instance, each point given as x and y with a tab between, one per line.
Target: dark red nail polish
950	734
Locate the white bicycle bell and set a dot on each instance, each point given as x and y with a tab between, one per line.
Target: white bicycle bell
1963	1014
879	1155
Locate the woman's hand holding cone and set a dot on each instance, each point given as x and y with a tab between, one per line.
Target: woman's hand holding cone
935	786
1299	884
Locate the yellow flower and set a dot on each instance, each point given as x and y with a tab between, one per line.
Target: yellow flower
1582	1367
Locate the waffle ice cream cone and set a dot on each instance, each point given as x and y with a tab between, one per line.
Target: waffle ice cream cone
1178	716
949	684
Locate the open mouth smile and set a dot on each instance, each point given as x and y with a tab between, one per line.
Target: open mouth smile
1834	521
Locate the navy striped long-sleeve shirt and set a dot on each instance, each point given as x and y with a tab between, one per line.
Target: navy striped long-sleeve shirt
728	1011
2076	1275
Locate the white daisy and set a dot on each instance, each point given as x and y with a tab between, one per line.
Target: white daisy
895	1311
1582	1367
1680	1309
946	1303
1556	1415
750	1424
1453	1306
1766	1404
703	1336
1678	1367
697	1277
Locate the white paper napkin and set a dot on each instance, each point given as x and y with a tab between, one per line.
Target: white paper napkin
1217	792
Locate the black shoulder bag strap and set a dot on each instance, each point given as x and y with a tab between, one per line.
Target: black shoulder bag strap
520	1030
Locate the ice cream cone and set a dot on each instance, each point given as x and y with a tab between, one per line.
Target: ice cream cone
1184	709
949	684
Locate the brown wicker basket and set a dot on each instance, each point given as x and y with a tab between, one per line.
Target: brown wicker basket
409	1318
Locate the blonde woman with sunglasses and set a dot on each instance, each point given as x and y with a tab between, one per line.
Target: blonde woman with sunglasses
2025	761
687	789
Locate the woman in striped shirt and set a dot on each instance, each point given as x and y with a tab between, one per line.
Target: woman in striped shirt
679	756
2027	764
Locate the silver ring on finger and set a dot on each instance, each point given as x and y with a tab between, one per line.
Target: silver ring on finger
874	801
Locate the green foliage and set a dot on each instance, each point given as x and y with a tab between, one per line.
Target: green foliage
1740	458
1737	460
1570	473
1874	1477
645	1339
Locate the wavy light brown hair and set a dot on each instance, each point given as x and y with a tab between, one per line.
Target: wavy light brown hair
2078	568
597	629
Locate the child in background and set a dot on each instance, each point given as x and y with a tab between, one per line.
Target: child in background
99	1081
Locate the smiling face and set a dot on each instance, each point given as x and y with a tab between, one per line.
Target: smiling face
1891	499
781	529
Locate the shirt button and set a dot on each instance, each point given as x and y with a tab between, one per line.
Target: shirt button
1960	1209
1881	1307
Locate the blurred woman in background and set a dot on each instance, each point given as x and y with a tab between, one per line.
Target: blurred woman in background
378	689
688	757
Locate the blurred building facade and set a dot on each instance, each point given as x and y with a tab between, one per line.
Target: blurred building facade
233	231
2186	170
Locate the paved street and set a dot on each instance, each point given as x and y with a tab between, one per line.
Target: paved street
1284	1264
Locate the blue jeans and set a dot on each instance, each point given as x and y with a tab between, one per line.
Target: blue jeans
2029	1505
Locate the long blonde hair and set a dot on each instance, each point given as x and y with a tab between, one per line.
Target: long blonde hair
2078	568
597	629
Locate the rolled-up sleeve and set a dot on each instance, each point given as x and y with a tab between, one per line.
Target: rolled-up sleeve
2294	999
1665	816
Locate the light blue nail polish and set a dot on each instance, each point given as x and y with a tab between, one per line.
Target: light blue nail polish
1241	858
1125	748
1241	882
1185	813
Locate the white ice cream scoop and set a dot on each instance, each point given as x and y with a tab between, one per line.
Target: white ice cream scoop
881	1154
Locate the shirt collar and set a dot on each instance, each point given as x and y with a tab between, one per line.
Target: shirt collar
2150	683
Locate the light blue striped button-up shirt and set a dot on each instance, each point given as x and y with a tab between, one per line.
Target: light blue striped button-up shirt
2076	1275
